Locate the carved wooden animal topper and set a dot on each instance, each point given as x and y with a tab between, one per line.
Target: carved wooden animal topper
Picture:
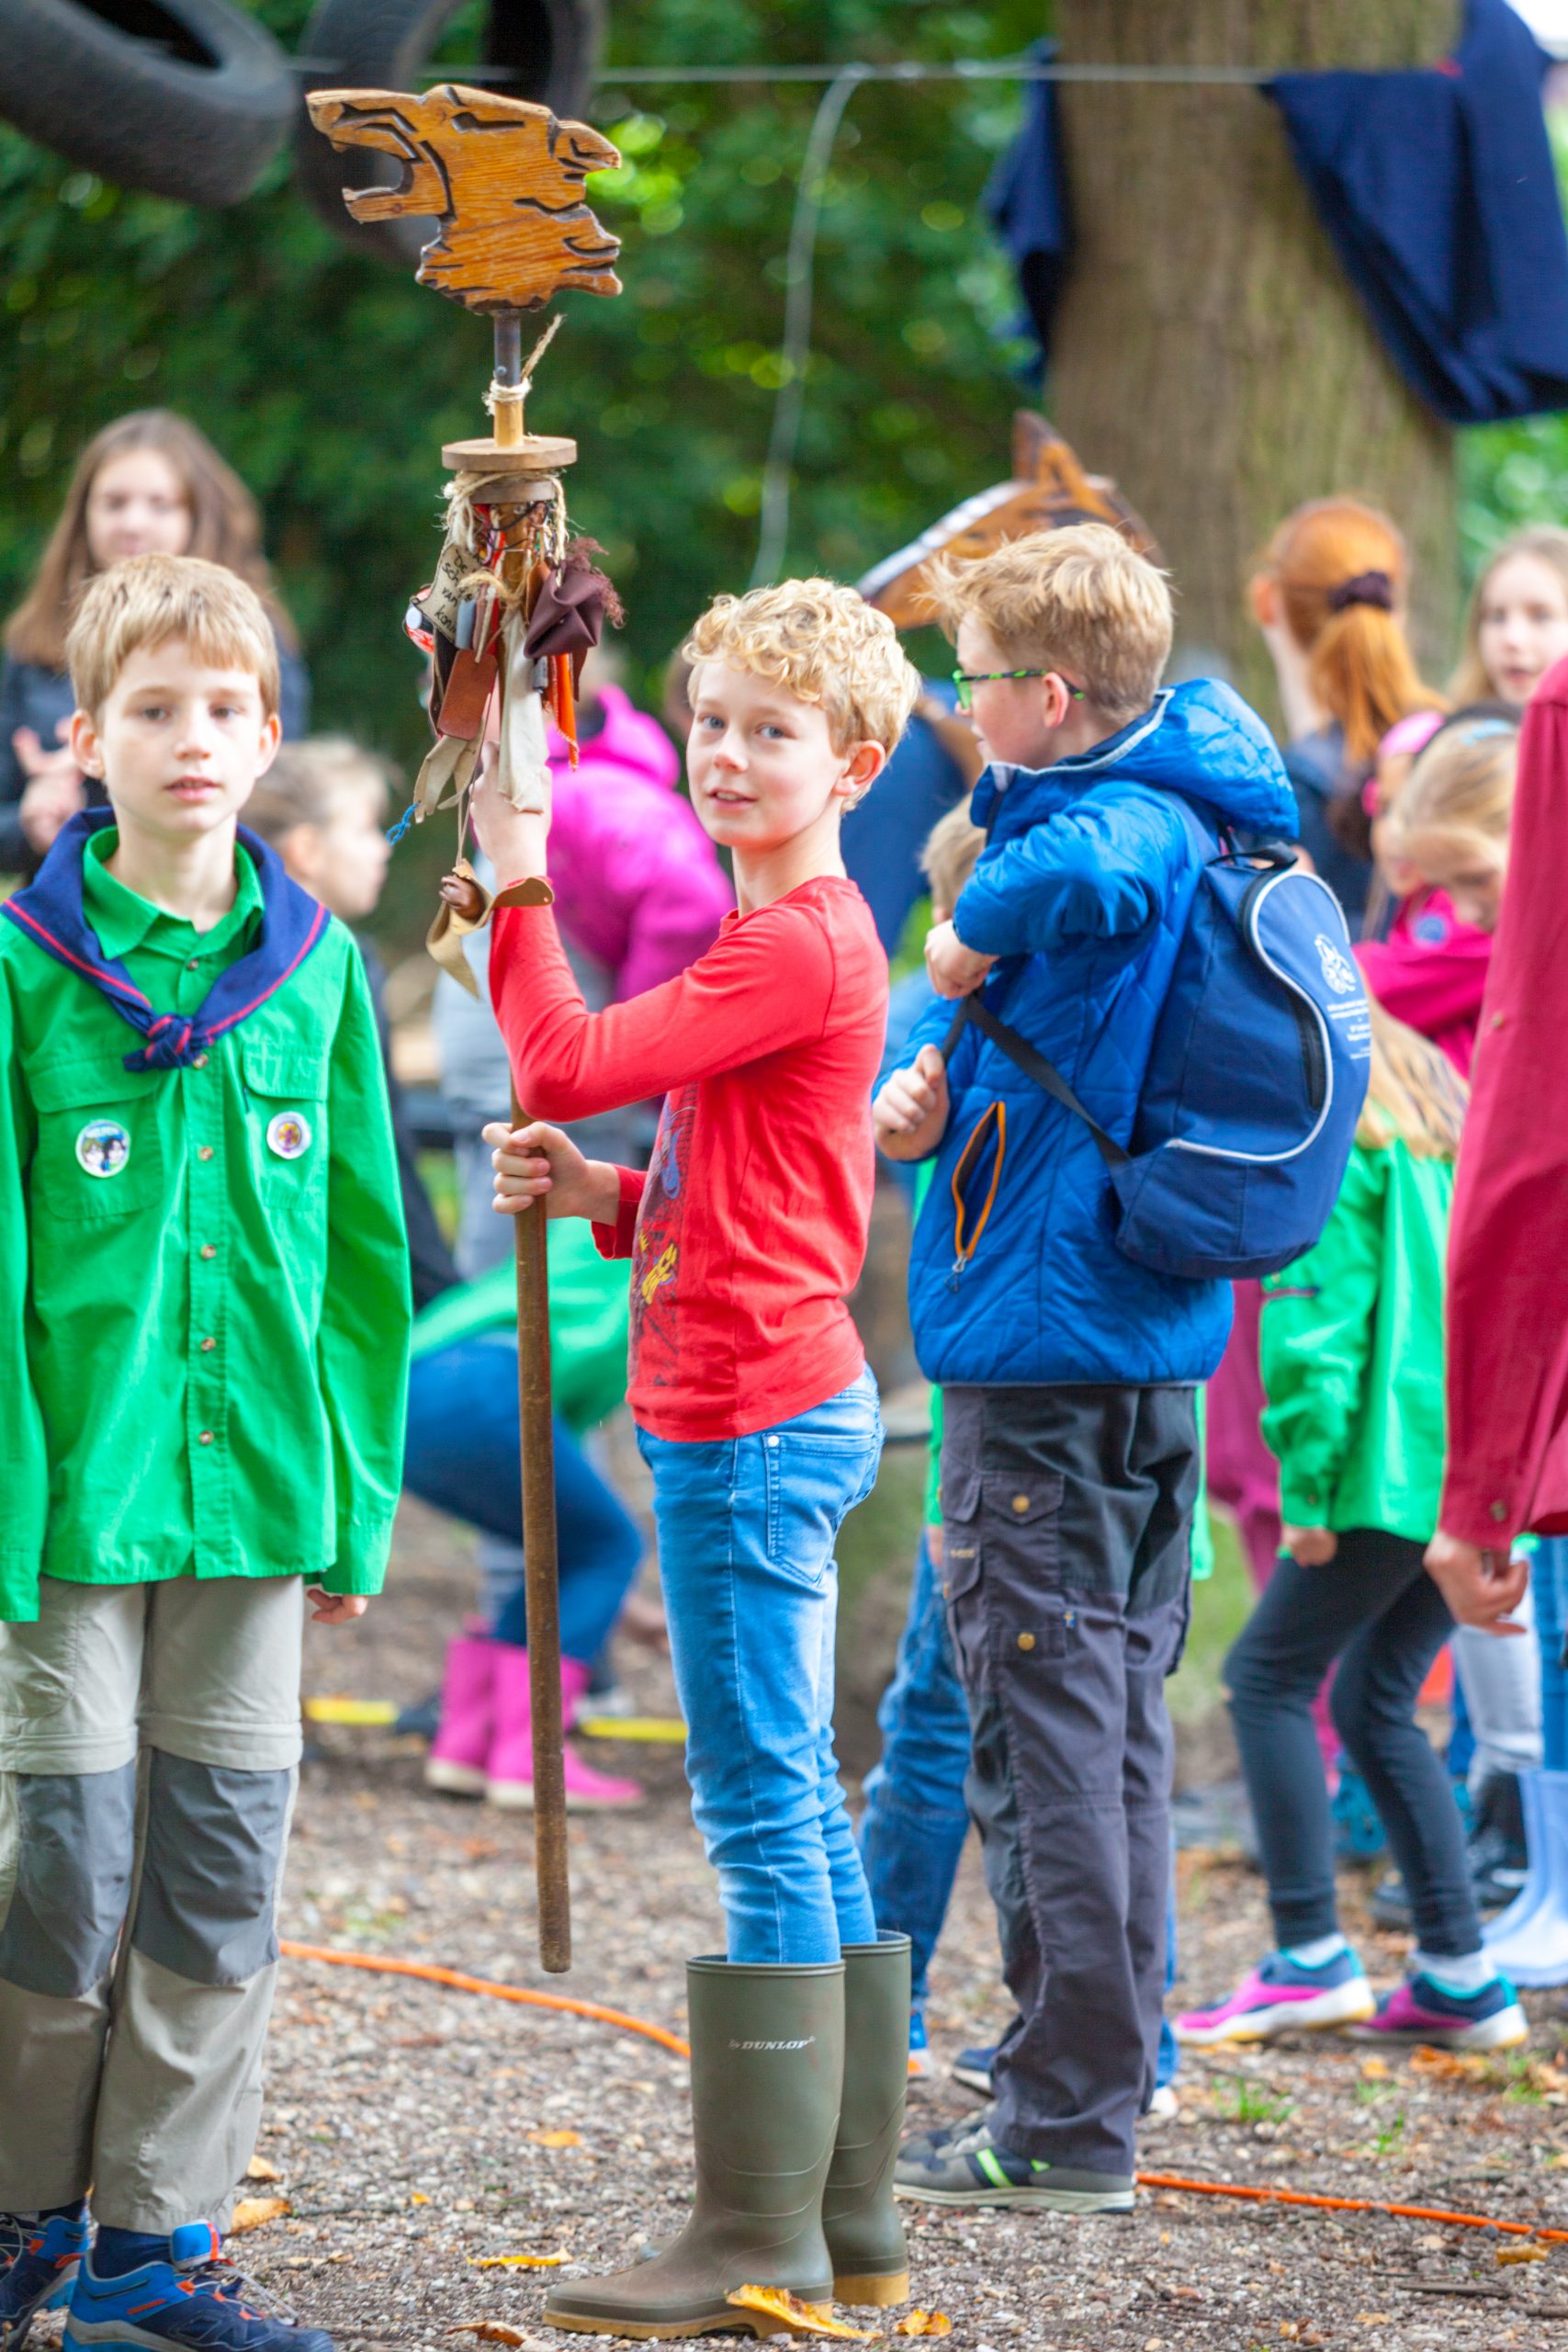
505	178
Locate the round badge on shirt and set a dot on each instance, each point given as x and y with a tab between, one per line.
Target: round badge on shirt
289	1135
102	1148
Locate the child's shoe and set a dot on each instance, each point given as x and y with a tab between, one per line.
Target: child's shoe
972	2170
1358	1833
38	2267
193	2300
1282	1997
919	2047
973	2069
460	1750
509	1776
1423	2010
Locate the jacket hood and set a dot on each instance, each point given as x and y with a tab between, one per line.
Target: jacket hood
628	739
1199	739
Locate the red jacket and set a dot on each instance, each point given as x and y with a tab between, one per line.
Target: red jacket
1507	1466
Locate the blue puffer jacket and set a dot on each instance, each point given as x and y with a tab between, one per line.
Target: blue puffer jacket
1083	891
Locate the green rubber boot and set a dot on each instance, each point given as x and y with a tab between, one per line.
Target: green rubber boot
860	2220
767	2066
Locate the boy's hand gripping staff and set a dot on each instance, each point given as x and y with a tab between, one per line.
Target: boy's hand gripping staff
509	616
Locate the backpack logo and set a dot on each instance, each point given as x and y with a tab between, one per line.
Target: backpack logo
1338	972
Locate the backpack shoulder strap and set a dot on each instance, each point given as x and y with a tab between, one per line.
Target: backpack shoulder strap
1033	1064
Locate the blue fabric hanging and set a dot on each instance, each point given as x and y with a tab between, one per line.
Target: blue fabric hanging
1437	190
1026	199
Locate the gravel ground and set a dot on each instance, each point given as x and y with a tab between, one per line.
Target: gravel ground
416	2131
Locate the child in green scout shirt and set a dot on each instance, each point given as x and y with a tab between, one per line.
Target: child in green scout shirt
204	1314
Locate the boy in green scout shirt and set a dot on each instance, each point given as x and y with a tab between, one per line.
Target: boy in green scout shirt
204	1317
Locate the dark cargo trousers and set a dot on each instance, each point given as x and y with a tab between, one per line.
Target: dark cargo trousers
1067	1516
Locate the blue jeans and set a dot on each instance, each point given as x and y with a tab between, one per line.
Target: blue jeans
1548	1581
915	1820
746	1533
462	1456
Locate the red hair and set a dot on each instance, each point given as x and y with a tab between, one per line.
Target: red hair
1342	574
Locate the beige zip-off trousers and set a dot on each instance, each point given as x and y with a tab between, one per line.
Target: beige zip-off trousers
149	1750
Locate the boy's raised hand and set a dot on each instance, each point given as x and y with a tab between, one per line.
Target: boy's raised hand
910	1113
539	1161
953	968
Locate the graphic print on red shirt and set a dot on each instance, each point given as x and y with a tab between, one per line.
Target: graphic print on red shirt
751	1225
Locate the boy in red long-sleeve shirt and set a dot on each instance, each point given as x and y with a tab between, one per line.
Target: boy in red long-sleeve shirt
758	1416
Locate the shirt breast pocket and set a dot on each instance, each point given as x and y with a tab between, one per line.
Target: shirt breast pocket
286	1123
100	1153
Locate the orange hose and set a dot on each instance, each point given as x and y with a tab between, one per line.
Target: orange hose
1345	2205
429	1973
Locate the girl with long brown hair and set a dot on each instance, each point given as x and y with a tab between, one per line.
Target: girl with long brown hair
149	483
1329	594
1516	624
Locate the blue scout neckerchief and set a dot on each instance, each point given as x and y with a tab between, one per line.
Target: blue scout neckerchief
49	911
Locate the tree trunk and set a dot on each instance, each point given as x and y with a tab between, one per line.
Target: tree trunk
1210	352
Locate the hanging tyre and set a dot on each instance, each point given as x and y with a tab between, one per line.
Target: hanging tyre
187	98
544	49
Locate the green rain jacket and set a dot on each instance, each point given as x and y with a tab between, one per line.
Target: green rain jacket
1352	1353
203	1352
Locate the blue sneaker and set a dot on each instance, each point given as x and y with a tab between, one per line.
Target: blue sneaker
1358	1833
919	2047
973	2069
38	2269
973	2171
195	2301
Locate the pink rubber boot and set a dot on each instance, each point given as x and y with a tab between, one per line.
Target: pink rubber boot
460	1750
510	1781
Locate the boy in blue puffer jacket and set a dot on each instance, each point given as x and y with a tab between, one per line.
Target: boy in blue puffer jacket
1069	1456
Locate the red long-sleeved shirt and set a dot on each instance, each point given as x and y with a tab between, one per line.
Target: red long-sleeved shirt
751	1224
1507	1466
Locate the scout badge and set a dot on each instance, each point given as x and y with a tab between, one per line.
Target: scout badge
508	618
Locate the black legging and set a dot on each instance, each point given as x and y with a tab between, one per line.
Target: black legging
1376	1610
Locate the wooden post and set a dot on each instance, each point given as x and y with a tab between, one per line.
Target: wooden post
505	180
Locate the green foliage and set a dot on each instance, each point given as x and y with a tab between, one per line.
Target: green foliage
330	381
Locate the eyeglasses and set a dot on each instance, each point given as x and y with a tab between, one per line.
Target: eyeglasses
967	680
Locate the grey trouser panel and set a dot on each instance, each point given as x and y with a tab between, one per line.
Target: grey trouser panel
141	2074
1067	1517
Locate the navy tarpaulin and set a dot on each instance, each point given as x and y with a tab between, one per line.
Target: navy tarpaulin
1026	199
1437	189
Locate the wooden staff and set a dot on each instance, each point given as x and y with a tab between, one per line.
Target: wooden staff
505	180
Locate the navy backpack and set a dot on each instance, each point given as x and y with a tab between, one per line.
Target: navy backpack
1256	1078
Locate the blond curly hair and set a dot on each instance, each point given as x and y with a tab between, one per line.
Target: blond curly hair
1080	596
824	644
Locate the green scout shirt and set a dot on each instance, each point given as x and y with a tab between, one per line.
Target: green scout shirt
203	1352
1352	1353
590	1319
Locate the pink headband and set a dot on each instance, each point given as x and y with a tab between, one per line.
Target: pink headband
1409	735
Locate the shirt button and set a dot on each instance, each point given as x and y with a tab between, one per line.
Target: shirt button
204	1152
208	1250
1021	1502
1026	1641
193	964
205	1438
1499	1510
208	1344
200	1062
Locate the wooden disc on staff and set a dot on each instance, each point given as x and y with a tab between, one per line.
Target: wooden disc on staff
536	453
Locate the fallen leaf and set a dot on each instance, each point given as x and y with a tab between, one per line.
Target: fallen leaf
1506	2253
416	2198
557	2139
1289	2330
1372	2319
259	2169
924	2323
1450	2065
490	2331
252	2212
1374	2070
804	2318
516	2261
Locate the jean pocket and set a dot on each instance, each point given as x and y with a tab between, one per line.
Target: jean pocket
811	1483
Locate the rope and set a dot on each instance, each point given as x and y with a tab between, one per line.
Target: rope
429	1973
794	351
959	69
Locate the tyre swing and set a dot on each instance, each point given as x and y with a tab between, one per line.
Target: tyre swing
186	98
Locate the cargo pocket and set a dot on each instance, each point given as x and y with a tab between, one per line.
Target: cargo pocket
960	1564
